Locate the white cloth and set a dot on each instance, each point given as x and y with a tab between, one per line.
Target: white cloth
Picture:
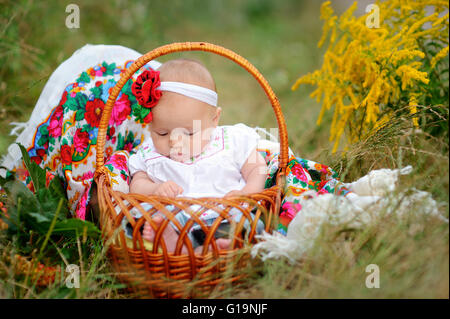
213	174
372	196
66	73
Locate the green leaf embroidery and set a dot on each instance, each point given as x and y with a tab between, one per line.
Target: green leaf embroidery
97	91
109	68
80	115
77	103
84	77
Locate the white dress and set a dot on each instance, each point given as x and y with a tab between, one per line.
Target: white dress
215	172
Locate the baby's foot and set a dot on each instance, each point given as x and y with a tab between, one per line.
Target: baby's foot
170	237
222	244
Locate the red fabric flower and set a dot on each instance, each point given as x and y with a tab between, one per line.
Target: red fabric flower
94	111
36	159
120	111
128	146
148	118
298	172
144	89
111	133
41	152
80	141
58	111
66	154
118	161
48	178
55	125
63	99
290	209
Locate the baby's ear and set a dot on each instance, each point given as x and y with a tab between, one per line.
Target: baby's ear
217	115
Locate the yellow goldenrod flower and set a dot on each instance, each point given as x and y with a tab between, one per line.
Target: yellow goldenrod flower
441	54
369	72
413	109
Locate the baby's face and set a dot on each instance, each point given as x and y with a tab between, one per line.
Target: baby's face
182	126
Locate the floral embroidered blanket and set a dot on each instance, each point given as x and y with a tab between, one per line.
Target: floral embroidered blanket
65	142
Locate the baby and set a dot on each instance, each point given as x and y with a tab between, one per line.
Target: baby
188	154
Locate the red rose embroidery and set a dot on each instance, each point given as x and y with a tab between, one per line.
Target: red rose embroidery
148	118
58	111
63	99
94	111
36	159
119	161
55	125
80	140
54	128
110	133
290	209
128	146
40	156
66	155
40	152
48	178
297	170
145	88
120	110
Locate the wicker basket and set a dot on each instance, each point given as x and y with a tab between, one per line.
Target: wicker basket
155	272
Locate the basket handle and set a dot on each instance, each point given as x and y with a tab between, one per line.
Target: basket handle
190	46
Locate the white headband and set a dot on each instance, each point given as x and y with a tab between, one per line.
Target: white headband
190	90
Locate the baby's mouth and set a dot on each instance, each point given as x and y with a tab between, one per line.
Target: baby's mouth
178	155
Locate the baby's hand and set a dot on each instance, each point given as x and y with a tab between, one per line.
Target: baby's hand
168	189
235	193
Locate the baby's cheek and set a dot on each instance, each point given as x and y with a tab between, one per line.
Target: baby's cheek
162	147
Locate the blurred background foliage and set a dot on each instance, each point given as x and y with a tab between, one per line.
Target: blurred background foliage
278	37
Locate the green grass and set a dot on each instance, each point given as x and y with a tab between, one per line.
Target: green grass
280	39
411	252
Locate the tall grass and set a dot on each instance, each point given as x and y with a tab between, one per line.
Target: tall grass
412	252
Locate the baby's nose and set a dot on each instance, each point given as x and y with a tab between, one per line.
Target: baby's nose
177	137
175	140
